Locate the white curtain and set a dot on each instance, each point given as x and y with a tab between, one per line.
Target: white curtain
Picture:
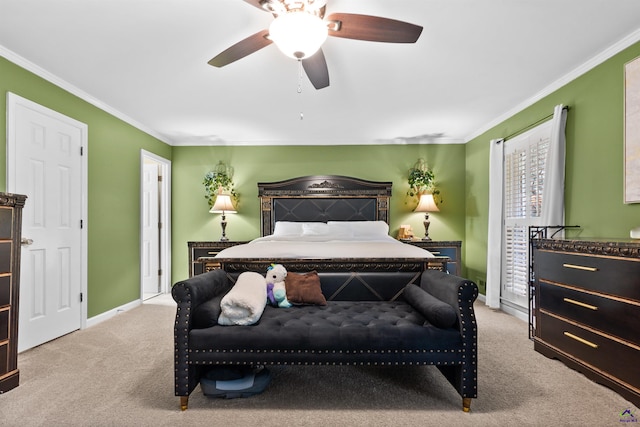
494	240
552	199
553	190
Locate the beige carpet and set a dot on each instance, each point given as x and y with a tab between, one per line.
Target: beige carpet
120	373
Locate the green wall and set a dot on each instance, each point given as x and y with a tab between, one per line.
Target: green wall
192	221
594	181
594	163
114	186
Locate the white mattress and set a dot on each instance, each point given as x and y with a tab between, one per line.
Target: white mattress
318	247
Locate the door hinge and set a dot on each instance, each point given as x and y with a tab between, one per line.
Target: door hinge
81	150
159	178
160	225
81	224
160	272
81	296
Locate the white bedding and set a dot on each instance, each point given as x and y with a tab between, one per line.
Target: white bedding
323	247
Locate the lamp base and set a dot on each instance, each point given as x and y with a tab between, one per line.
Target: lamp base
426	223
223	224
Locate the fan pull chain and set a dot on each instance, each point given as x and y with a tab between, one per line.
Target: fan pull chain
300	87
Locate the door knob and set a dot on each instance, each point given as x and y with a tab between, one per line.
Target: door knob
26	242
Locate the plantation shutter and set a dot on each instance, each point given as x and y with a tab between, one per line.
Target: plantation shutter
526	187
524	178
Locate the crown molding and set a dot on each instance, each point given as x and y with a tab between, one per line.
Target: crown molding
574	74
63	84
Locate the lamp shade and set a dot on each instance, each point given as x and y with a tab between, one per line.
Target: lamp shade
426	204
298	34
223	204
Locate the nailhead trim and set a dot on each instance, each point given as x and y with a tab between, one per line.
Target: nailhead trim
395	351
467	326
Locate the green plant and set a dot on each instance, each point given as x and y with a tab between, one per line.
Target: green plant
421	180
219	179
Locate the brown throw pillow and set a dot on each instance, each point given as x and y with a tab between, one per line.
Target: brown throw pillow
304	288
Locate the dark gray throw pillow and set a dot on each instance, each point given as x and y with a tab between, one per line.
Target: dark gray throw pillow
206	314
438	313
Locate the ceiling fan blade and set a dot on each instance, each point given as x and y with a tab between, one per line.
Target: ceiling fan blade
241	49
372	28
316	68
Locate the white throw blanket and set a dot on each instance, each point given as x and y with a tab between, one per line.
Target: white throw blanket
245	302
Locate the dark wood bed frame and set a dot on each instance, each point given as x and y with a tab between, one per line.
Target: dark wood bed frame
322	198
336	198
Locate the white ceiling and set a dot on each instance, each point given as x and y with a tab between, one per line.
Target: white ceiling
476	62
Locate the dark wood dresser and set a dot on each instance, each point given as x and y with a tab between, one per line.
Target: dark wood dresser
587	309
205	250
10	235
449	249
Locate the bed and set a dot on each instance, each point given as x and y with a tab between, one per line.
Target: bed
382	304
335	225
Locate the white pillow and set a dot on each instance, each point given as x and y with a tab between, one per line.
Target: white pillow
365	229
287	228
340	229
315	229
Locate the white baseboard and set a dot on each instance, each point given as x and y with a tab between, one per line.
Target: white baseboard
509	310
112	313
515	312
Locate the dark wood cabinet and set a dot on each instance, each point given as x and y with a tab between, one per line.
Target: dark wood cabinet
10	236
587	309
449	249
198	250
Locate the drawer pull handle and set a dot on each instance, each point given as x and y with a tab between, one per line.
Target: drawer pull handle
212	253
581	304
435	253
582	340
579	267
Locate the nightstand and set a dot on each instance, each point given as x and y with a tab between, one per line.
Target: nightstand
205	249
449	249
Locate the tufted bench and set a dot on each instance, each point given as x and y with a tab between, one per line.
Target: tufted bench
414	328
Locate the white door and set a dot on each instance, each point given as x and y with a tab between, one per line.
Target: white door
45	162
150	230
155	224
524	171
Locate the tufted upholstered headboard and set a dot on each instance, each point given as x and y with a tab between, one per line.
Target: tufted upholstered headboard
322	198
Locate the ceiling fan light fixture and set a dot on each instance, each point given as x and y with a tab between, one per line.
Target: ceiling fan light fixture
298	34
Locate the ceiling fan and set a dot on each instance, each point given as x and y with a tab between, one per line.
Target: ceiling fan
300	28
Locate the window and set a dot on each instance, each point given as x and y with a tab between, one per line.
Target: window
524	172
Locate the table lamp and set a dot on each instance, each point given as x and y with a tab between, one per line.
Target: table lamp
223	205
426	205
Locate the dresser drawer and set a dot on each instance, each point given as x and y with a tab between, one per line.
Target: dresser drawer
4	324
611	316
604	354
5	257
452	267
616	277
199	250
205	252
5	290
4	358
450	249
211	249
6	222
450	252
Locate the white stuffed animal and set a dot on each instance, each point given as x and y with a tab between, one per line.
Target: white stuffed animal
276	291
